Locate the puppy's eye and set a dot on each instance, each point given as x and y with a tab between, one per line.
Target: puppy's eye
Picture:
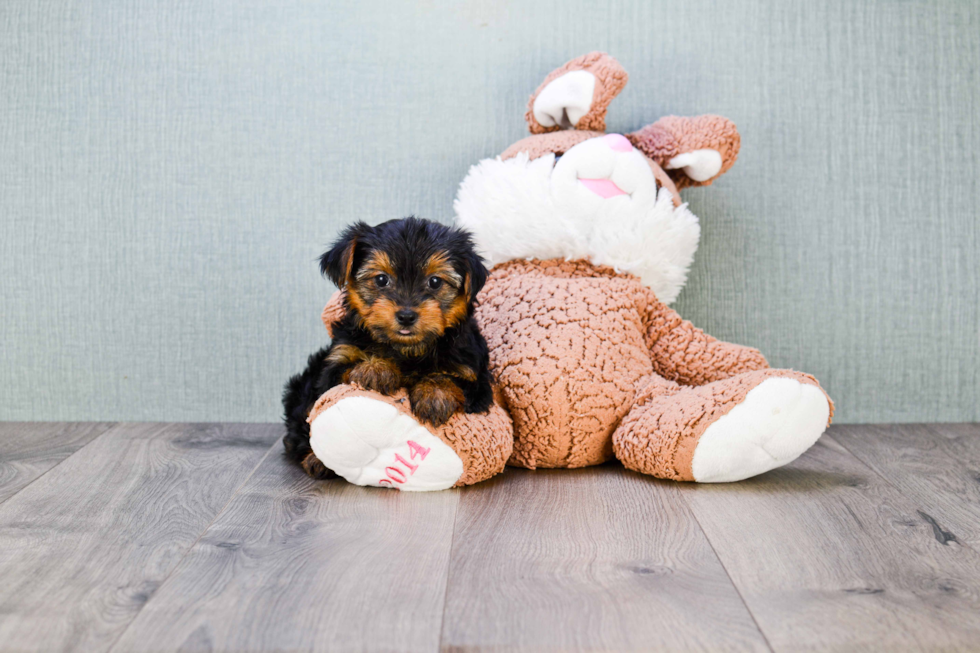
382	280
435	283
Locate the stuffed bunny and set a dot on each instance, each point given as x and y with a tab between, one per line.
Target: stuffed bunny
589	242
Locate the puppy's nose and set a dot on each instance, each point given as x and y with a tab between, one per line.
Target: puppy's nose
406	317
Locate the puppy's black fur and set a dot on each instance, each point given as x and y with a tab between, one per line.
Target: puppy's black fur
410	286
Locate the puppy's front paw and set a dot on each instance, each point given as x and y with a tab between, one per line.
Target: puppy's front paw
376	374
436	399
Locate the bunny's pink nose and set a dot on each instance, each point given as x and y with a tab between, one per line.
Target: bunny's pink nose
618	142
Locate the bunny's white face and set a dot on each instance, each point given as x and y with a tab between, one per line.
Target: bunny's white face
605	177
599	202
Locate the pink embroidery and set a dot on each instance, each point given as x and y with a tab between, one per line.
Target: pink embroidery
418	449
394	470
395	475
410	466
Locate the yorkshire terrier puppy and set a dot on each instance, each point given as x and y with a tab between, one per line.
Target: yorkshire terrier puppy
408	323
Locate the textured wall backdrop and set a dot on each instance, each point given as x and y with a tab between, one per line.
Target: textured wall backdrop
169	172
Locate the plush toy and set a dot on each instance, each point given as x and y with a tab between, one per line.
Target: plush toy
589	242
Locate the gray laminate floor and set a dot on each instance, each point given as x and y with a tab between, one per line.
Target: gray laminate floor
201	537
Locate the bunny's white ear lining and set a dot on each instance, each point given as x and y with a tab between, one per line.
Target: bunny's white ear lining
699	165
565	100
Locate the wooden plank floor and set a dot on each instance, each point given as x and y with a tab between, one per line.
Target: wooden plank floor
170	537
29	450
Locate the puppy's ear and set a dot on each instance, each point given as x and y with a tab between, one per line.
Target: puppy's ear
337	262
476	275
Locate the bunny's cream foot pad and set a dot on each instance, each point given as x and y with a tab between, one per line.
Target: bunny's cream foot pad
777	421
371	442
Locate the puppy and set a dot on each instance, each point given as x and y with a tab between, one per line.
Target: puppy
408	323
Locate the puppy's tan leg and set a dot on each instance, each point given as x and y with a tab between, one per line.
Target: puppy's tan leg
435	399
370	372
378	374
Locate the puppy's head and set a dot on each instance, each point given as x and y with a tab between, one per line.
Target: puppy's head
408	280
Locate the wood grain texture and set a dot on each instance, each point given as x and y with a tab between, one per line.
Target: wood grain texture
170	175
84	547
29	449
168	537
935	465
829	556
588	559
294	564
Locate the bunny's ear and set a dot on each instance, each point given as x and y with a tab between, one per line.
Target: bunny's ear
576	95
694	151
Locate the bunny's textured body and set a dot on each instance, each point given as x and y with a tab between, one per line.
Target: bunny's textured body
589	243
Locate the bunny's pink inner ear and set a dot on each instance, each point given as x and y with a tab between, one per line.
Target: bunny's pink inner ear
576	95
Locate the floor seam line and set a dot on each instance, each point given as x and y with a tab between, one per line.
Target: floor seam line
728	575
449	566
112	426
193	544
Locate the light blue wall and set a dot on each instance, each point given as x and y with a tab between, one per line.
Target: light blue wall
169	172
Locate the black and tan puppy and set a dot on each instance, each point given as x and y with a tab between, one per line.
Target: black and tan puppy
408	323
